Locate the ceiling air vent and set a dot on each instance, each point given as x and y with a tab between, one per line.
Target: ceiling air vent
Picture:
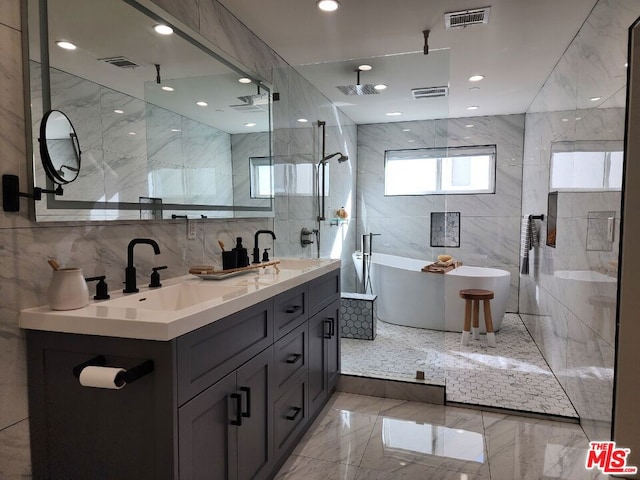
465	18
121	62
429	92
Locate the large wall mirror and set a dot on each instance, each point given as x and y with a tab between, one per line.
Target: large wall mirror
165	124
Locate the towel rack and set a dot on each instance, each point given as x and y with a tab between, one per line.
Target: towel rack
537	217
128	376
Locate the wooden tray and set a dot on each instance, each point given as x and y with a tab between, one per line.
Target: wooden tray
207	272
435	268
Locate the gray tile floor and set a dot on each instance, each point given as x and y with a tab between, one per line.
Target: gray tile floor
513	375
361	437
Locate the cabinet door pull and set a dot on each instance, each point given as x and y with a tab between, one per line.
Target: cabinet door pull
330	324
294	358
247	390
296	412
294	309
332	331
238	398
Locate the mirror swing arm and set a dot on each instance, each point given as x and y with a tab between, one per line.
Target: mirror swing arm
11	193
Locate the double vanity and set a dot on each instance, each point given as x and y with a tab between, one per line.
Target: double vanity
221	378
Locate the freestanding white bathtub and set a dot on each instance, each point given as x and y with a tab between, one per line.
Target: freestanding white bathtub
407	296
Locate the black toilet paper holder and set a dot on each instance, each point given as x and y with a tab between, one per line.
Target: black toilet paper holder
128	376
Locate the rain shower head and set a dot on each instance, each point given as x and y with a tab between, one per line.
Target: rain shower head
341	158
359	88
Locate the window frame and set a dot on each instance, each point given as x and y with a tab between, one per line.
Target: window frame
439	154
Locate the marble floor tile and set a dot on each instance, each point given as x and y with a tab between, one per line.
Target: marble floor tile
313	469
341	436
356	403
452	417
527	448
396	443
413	471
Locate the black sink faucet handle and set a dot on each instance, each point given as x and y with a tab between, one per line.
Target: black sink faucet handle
155	277
102	290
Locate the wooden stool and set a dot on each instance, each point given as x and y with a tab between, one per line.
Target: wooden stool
472	297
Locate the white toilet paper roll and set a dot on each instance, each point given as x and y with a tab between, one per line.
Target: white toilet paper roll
100	377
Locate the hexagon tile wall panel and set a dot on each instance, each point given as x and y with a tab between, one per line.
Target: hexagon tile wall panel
358	316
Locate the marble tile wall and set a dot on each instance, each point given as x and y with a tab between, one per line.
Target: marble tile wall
100	248
489	224
568	299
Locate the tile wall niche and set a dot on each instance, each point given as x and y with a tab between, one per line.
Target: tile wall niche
568	299
489	223
100	248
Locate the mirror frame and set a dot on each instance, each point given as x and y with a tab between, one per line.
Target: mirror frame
45	155
195	39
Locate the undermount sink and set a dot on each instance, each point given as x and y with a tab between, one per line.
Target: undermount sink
176	297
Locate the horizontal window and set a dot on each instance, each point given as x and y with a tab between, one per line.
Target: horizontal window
433	171
293	179
586	166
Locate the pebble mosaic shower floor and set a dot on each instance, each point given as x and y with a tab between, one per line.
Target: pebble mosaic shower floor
513	375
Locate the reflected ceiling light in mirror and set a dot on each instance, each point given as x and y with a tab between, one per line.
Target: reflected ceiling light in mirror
406	129
118	111
132	133
167	88
163	29
476	78
244	80
364	68
303	120
66	45
380	87
393	114
202	104
469	125
176	130
328	5
594	99
250	124
473	107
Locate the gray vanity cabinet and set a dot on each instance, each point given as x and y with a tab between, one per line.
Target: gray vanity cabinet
226	401
324	338
227	430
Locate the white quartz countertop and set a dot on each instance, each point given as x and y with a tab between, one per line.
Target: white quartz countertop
135	316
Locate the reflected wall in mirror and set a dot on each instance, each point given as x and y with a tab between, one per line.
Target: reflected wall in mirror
165	126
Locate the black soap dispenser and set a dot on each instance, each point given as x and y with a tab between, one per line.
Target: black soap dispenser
243	257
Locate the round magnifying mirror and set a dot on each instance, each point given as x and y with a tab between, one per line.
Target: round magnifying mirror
59	148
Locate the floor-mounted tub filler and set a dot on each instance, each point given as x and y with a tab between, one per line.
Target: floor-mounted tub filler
407	296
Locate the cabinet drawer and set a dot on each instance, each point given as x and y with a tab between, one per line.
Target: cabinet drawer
290	310
323	291
290	357
290	415
209	353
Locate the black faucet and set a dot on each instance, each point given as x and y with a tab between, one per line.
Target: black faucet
130	271
256	250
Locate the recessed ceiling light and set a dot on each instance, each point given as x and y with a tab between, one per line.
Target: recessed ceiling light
380	86
202	104
244	80
578	118
473	107
565	119
594	99
469	125
303	120
176	130
132	133
163	29
476	78
328	5
393	114
66	45
250	124
118	111
406	129
365	67
167	88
